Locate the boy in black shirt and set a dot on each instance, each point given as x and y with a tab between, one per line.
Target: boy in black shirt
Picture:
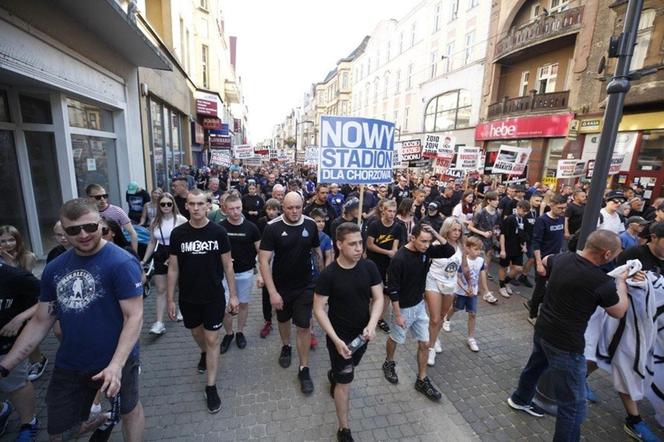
200	256
353	288
512	247
406	277
272	208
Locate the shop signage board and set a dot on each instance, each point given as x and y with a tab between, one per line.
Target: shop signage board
211	123
220	157
524	127
511	160
220	140
198	133
570	169
468	158
355	150
243	151
206	107
411	150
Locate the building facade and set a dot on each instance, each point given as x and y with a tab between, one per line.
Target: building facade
69	107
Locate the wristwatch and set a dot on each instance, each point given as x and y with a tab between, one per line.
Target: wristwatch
3	371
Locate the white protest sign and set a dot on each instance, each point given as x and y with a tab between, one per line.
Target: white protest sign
243	151
255	161
431	145
446	149
570	168
411	150
468	158
311	155
511	160
220	158
441	165
355	150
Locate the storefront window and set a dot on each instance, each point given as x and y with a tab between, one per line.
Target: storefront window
166	143
178	155
36	109
4	107
448	111
652	150
95	162
12	208
88	116
158	158
553	154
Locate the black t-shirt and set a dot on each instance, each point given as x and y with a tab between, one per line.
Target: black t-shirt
574	215
575	289
349	294
530	218
326	208
253	203
242	239
504	206
199	261
643	254
19	291
435	221
399	194
55	252
384	238
407	273
291	244
182	205
513	229
446	205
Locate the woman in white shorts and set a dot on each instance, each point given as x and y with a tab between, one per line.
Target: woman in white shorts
441	283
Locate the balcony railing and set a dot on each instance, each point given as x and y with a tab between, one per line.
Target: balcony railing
529	103
545	28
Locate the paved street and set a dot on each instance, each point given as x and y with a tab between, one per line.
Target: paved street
262	400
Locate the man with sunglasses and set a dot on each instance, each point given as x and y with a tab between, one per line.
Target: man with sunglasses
99	196
95	291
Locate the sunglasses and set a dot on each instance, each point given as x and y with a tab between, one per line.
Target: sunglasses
166	204
617	201
75	230
99	197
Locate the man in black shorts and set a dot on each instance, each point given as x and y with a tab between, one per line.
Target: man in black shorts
512	247
290	238
200	256
351	285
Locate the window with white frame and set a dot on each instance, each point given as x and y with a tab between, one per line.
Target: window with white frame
434	64
413	33
205	69
448	111
386	82
203	4
406	111
454	10
436	17
397	82
468	51
401	42
643	38
449	57
523	85
558	5
473	3
409	80
387	51
369	66
377	58
535	11
395	117
375	97
344	80
546	78
366	94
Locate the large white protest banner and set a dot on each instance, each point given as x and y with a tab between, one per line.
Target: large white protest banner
355	150
431	146
243	151
511	160
220	157
570	169
468	158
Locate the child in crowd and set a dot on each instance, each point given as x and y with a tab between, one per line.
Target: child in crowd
466	294
272	207
485	225
512	247
326	248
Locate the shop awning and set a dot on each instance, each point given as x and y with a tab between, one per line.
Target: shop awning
107	20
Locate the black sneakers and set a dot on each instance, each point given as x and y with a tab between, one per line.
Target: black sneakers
390	372
383	326
306	384
343	435
285	356
212	398
523	279
425	387
202	365
333	384
226	343
240	340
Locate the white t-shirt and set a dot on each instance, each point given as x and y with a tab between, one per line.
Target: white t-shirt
444	270
610	222
163	231
475	266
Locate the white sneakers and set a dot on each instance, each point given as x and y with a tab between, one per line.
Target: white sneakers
179	317
438	347
503	292
158	328
447	325
488	297
431	360
472	344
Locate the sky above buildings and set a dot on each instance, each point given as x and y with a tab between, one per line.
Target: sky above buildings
285	45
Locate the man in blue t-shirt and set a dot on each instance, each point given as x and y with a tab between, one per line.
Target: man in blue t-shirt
95	290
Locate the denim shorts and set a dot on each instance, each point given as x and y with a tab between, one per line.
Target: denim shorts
417	322
244	284
469	303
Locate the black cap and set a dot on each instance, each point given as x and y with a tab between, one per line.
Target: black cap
432	206
615	195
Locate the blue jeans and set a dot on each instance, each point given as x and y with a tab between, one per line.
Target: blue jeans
568	375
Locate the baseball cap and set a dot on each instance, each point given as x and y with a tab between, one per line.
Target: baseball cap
132	187
432	206
637	220
351	203
615	195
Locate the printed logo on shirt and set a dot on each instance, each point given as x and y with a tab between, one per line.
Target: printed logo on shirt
384	239
305	233
284	234
76	290
199	247
556	227
240	234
